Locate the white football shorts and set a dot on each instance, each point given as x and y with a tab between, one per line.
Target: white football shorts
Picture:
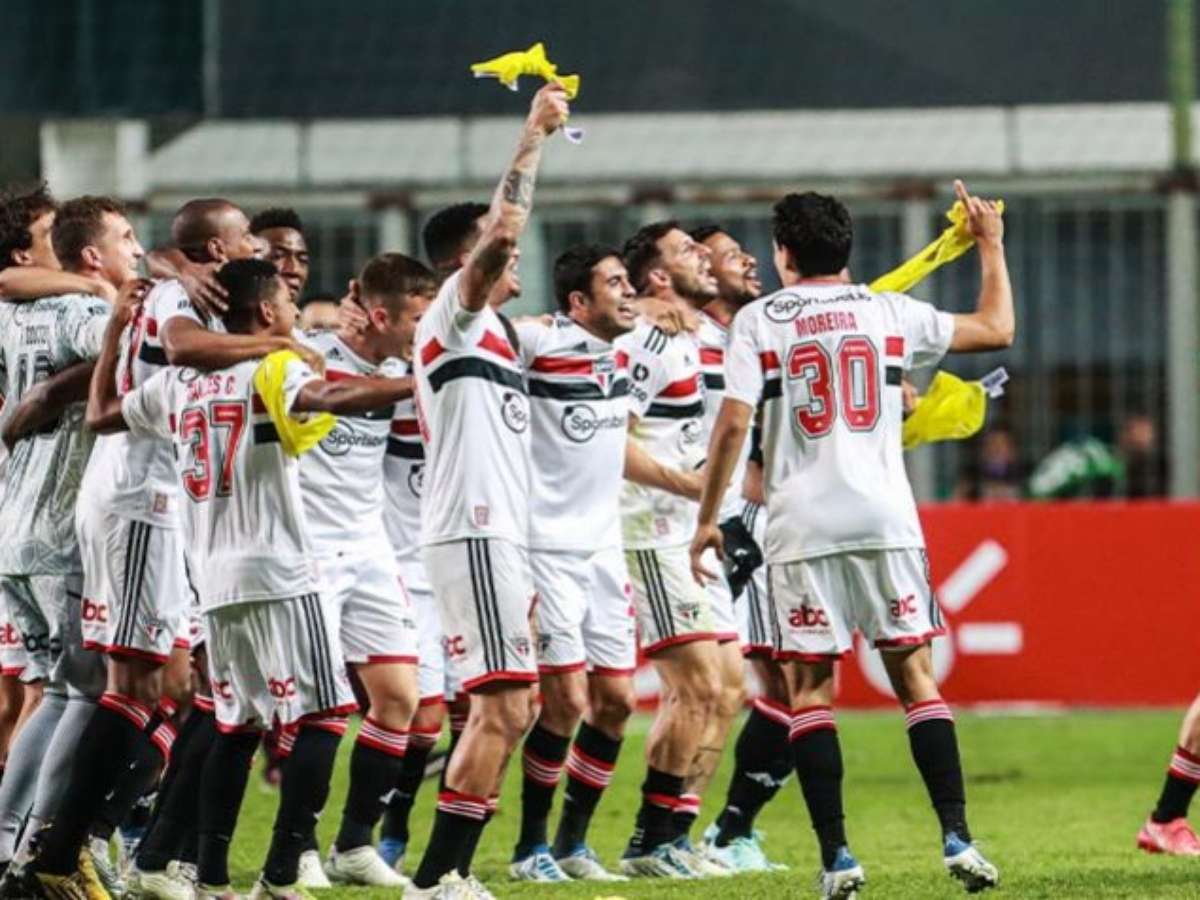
671	607
436	679
374	613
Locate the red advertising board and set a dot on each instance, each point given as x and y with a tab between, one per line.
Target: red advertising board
1056	603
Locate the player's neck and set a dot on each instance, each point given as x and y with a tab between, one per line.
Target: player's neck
722	310
361	345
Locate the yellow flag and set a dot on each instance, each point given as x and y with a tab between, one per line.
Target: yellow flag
952	243
296	436
951	410
509	67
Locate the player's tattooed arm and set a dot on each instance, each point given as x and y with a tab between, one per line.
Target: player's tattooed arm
103	413
359	395
32	282
642	468
45	401
513	199
724	447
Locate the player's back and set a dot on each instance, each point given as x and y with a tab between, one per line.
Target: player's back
242	504
830	357
38	340
129	475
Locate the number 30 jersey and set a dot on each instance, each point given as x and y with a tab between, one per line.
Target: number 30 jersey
242	506
827	360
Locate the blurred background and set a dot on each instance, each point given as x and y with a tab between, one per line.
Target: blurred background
363	116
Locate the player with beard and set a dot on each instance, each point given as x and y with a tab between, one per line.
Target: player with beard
825	358
679	632
762	758
579	388
474	540
287	247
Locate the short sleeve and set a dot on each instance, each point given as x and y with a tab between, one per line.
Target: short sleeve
147	409
646	367
84	331
296	374
744	361
172	302
927	332
449	318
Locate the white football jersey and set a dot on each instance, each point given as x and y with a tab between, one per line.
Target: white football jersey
827	360
403	477
133	476
342	477
243	511
579	407
714	340
37	518
666	395
474	415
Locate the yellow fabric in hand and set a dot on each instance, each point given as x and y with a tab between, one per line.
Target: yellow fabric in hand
296	436
951	410
511	66
952	243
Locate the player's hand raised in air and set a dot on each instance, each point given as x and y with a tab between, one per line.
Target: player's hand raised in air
984	220
549	109
129	296
706	536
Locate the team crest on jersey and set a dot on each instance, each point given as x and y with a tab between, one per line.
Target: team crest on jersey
603	369
481	515
514	411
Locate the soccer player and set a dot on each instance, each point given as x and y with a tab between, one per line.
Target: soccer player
675	617
272	643
40	555
762	757
474	417
343	484
287	247
1167	829
844	543
320	313
579	387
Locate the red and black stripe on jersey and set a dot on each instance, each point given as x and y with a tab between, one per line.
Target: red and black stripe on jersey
682	399
573	377
712	366
893	351
496	364
405	439
772	375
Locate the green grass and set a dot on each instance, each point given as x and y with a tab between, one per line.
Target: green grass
1056	801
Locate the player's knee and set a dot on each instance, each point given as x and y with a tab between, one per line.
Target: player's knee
700	691
506	716
562	709
733	698
612	707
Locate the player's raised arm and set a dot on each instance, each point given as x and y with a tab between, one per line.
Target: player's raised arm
103	413
513	199
993	324
356	396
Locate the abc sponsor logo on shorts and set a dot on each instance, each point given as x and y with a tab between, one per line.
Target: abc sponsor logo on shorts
805	616
903	607
9	636
580	422
94	612
514	411
454	646
282	688
340	441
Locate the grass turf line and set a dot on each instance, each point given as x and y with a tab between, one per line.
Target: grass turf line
1055	800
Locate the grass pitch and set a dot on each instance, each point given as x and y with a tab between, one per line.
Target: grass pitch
1055	800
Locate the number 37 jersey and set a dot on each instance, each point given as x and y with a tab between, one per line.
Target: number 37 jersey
242	506
827	361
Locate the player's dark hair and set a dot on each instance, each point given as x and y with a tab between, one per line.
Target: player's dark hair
816	230
641	252
702	233
79	223
450	231
573	271
276	217
390	278
18	211
247	283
